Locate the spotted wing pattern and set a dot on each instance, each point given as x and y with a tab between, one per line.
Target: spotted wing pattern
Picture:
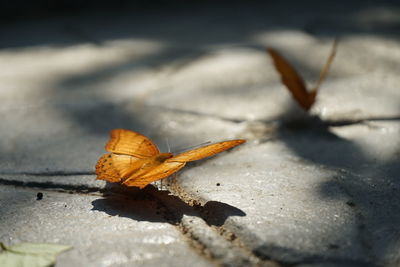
105	169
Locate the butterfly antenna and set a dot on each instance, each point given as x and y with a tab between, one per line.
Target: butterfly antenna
195	146
166	141
328	63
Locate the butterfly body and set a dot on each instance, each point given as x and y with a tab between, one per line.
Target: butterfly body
136	161
309	100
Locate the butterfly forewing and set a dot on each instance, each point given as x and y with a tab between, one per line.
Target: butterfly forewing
205	151
325	70
131	143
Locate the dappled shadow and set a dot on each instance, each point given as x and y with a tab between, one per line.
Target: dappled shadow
131	64
371	183
187	33
101	119
153	205
314	17
291	257
239	23
311	138
215	212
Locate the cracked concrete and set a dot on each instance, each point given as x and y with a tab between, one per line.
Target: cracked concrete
316	189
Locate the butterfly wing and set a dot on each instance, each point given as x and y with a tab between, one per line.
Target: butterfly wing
138	161
115	168
157	170
328	63
152	173
292	80
205	151
105	169
127	165
131	143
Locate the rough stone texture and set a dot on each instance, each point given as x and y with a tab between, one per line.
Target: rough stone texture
311	190
114	231
311	195
287	217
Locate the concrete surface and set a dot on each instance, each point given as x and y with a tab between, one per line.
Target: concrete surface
318	189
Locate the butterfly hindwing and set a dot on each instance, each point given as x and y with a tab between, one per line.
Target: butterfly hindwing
126	164
105	170
131	143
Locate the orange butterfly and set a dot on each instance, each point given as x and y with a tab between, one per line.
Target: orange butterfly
136	161
293	80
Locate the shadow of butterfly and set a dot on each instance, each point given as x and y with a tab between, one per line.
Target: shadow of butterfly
136	161
295	83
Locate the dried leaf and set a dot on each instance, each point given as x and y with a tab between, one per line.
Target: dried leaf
30	254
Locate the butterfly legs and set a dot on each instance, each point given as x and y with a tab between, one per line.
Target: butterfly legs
168	181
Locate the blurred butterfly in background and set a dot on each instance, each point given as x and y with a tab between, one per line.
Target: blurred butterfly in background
136	161
294	82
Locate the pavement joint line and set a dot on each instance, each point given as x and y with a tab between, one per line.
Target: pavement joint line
208	242
229	237
184	225
57	187
222	231
313	118
192	227
199	247
344	122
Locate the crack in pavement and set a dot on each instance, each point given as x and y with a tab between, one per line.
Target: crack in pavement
51	186
307	118
192	227
211	241
265	253
188	219
243	254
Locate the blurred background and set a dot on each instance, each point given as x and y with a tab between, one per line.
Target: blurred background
187	71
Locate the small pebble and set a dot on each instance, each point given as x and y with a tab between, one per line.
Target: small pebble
39	196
